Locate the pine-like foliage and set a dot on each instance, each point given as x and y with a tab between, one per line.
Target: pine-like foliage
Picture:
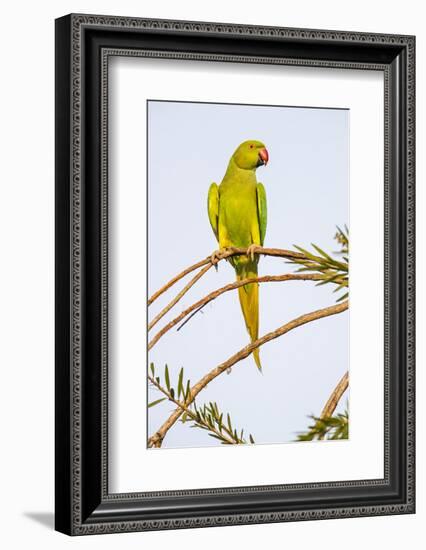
331	270
331	427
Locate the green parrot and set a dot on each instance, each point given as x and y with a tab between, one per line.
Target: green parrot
238	216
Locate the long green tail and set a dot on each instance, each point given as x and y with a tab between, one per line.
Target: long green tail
249	300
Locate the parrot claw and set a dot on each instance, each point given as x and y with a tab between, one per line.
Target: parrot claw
251	251
216	256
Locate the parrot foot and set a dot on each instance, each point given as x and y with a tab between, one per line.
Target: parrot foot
216	256
251	251
228	370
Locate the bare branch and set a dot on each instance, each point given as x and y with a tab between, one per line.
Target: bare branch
177	278
156	439
231	286
335	397
179	296
228	252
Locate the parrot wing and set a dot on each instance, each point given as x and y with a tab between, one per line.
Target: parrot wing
262	211
213	208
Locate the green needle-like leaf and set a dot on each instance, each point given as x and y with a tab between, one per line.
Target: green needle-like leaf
180	383
167	377
229	422
153	403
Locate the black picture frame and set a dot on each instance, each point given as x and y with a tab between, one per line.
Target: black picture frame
83	44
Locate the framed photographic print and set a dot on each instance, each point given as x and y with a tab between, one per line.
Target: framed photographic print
220	189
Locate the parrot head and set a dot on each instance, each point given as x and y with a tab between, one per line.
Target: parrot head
251	154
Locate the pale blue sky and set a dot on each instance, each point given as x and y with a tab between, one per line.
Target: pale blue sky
307	187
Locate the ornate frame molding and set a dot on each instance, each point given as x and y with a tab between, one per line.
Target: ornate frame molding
73	49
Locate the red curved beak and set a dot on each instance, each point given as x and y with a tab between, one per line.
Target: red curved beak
264	156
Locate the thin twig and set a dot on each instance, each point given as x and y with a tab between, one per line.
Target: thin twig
200	309
177	278
156	439
335	397
179	296
231	286
231	251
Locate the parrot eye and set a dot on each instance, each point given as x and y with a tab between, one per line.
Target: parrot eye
251	146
